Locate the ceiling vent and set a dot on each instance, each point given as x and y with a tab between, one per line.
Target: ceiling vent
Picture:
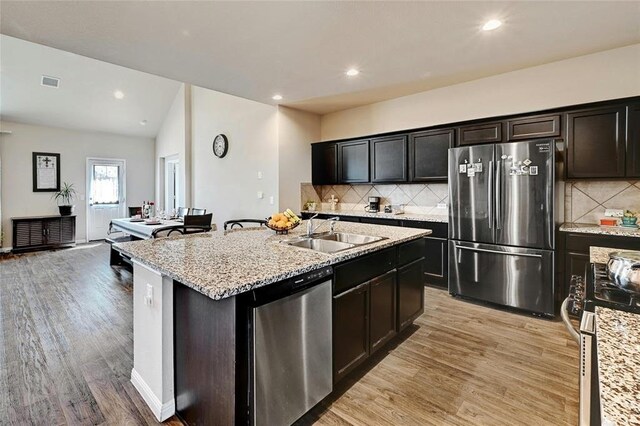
50	81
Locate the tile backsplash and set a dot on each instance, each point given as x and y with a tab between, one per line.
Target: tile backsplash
417	198
586	201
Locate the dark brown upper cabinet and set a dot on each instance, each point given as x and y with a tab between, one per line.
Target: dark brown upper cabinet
428	154
353	162
633	140
324	164
596	143
480	133
389	159
539	126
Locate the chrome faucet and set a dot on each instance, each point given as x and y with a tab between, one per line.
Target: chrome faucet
311	229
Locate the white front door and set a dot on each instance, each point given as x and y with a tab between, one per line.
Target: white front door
106	192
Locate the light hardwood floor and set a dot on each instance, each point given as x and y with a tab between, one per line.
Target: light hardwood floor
66	356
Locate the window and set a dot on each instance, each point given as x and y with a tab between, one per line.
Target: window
105	185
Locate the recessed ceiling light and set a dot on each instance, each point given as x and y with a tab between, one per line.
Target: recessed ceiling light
143	122
491	25
118	94
352	72
277	97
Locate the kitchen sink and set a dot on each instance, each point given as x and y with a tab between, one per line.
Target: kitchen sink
345	237
325	246
332	242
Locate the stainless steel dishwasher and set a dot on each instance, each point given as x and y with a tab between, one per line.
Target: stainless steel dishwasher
291	348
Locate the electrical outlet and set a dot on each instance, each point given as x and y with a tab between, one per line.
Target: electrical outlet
441	206
260	195
148	298
259	175
271	200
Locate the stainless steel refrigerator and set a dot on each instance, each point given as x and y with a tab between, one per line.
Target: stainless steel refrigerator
502	214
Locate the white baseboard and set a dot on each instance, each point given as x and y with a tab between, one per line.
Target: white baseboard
82	241
161	411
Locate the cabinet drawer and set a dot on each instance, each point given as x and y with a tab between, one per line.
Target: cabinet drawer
541	126
438	229
408	252
363	269
376	221
480	133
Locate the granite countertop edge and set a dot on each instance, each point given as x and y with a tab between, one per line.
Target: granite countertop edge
586	228
443	218
243	287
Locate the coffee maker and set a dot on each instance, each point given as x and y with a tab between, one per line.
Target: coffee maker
374	205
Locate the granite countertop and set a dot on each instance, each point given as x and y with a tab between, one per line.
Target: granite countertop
618	337
601	230
442	218
223	264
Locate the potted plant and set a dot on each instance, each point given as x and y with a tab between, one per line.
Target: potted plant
629	218
64	197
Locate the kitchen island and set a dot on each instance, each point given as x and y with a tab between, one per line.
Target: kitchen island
192	295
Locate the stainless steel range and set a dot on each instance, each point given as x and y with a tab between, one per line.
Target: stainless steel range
501	223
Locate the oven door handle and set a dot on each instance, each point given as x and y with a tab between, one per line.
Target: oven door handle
564	313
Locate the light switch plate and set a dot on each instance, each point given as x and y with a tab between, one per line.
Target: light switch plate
260	195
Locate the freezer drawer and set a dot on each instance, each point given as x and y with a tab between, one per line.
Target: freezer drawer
510	276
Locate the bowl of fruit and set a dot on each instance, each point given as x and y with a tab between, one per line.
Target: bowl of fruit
283	222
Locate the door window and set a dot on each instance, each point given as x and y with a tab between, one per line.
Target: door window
105	184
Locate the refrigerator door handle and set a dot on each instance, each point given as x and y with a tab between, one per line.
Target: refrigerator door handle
498	194
489	198
507	253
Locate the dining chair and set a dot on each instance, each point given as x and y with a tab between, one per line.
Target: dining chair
182	212
197	212
135	211
194	224
238	222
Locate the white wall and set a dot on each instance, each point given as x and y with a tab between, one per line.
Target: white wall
228	187
600	76
296	130
74	148
171	141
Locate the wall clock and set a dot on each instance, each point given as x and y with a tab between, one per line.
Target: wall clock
220	145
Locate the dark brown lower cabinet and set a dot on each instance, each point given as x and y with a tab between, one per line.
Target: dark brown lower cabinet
350	330
436	262
410	293
382	310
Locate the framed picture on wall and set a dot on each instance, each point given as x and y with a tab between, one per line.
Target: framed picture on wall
46	172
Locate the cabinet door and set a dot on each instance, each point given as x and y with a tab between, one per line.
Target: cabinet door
389	159
428	153
68	229
353	162
382	310
480	133
540	126
595	143
52	231
633	140
324	164
410	293
436	256
350	330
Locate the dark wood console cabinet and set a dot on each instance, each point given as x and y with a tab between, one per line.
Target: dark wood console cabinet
43	232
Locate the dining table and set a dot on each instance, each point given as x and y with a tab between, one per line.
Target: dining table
144	229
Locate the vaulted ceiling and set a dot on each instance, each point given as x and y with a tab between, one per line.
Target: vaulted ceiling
302	49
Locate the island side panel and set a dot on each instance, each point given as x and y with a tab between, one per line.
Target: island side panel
152	373
205	357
